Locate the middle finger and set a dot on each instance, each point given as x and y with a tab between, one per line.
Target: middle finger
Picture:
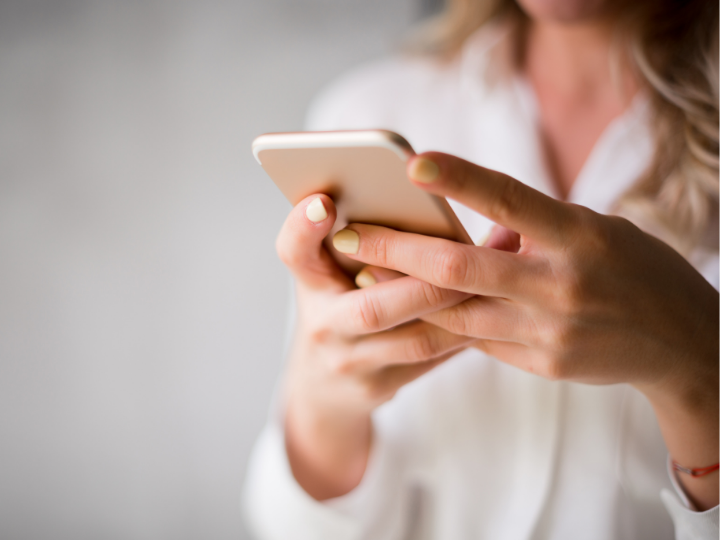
446	264
389	304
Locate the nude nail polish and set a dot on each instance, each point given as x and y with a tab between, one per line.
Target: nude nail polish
347	241
315	211
424	170
365	279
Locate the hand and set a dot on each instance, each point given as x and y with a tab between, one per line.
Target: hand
585	297
352	350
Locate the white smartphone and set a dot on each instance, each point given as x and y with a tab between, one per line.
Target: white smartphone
364	173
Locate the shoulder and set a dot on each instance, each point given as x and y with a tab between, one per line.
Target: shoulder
410	93
374	93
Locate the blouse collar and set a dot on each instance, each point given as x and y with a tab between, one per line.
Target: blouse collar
509	109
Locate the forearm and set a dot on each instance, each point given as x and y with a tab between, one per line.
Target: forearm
691	435
327	448
686	406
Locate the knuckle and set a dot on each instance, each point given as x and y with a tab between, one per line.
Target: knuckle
456	322
598	237
451	267
573	219
380	247
507	200
366	314
424	346
621	232
622	224
432	295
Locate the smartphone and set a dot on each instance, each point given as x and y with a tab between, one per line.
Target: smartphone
364	174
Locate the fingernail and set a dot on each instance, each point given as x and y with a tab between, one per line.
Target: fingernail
365	279
315	211
424	170
347	241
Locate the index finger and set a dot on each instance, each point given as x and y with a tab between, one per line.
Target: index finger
495	195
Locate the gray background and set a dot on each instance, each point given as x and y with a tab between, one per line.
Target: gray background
141	301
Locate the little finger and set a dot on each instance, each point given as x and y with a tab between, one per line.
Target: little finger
409	344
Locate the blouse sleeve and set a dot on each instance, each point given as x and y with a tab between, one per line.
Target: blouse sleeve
275	505
689	523
277	508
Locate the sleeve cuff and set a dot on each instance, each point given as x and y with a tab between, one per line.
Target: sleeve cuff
679	491
689	523
276	507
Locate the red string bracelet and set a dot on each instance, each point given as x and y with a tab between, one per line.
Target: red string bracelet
695	472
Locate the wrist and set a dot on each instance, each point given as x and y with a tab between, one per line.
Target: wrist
690	385
690	377
686	406
327	448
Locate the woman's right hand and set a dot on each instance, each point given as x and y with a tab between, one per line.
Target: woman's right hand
352	350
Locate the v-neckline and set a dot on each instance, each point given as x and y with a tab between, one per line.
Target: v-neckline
600	150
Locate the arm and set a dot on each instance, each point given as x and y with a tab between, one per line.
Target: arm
584	297
352	350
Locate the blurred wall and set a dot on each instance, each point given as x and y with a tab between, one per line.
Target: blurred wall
141	301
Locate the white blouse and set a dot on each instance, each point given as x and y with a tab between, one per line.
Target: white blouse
476	448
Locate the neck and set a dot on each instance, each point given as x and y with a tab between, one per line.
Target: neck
574	59
579	91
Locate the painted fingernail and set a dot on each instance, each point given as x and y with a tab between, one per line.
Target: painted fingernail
365	279
424	170
347	241
315	211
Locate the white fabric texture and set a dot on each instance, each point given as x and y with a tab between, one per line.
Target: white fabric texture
475	448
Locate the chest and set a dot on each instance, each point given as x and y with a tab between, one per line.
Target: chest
569	127
498	453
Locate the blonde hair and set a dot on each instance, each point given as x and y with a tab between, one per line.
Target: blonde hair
673	49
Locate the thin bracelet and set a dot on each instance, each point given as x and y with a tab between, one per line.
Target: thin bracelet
695	472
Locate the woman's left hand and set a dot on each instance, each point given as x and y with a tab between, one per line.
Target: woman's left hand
585	297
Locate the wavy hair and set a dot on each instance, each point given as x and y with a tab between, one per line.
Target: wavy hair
672	47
